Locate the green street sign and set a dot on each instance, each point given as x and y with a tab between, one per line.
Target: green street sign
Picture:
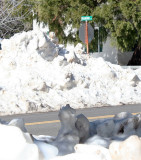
86	18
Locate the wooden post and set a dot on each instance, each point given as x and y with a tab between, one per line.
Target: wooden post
86	37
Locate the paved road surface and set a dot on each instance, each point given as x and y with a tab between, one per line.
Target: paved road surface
48	124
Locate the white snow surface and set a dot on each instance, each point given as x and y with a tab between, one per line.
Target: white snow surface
38	75
17	144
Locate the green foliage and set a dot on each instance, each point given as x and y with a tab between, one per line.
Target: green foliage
123	21
61	13
27	11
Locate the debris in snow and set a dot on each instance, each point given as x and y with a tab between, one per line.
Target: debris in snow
79	49
53	37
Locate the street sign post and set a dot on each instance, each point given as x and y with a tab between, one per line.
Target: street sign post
86	31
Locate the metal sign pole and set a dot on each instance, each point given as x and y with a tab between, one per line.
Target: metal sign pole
98	42
97	28
86	37
86	32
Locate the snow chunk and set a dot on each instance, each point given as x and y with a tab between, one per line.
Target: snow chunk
15	146
130	148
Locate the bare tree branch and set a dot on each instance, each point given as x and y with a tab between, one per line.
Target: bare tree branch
12	17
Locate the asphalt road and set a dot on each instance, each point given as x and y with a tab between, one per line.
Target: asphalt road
48	123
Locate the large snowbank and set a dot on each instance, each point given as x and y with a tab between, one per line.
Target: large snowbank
38	75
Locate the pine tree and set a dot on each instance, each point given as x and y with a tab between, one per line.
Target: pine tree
122	19
61	13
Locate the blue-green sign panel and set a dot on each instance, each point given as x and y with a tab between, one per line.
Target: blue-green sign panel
86	18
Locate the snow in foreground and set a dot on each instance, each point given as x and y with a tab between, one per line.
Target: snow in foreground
117	138
39	75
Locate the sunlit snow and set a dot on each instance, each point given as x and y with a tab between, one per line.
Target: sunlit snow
39	75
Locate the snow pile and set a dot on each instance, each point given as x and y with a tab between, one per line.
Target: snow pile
18	144
38	75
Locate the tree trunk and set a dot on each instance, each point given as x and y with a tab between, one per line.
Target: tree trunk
136	58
